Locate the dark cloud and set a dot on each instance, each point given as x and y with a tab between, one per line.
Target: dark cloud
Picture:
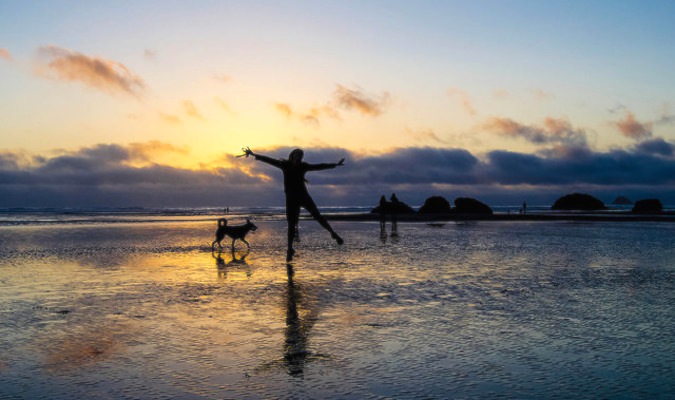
551	131
96	72
128	176
656	146
106	172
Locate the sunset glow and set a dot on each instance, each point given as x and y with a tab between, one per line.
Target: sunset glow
538	95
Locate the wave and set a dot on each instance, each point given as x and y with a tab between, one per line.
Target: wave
96	215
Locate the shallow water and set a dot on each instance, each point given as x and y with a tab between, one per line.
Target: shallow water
457	310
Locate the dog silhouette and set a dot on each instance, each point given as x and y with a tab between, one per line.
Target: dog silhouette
235	232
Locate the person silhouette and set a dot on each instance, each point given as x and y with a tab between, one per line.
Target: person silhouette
297	195
383	212
394	208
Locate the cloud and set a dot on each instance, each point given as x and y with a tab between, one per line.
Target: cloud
5	54
312	116
666	117
343	98
131	175
551	131
107	175
223	105
541	95
149	54
501	94
191	109
284	109
170	118
656	146
425	136
95	72
464	98
222	78
354	99
631	128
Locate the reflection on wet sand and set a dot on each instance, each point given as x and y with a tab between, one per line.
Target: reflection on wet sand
302	312
236	259
297	329
86	345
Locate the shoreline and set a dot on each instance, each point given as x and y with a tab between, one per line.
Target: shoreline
590	217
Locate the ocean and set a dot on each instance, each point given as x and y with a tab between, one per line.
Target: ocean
134	304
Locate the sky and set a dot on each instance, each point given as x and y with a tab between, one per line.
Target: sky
148	103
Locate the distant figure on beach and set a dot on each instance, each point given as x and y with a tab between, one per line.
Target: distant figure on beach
297	195
524	207
394	206
383	212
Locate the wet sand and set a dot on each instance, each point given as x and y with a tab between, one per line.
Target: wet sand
457	310
598	216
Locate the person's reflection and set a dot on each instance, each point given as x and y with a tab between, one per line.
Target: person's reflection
297	329
383	234
237	258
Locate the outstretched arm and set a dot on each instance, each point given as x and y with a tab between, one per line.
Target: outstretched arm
319	167
268	160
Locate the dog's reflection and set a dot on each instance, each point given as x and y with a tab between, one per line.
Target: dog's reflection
236	259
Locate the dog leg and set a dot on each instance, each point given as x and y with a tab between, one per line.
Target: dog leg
247	245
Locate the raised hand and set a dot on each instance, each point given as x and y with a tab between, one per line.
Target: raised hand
247	152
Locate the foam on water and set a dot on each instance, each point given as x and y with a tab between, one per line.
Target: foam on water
461	310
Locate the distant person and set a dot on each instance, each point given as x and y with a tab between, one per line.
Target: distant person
383	212
524	207
297	195
394	207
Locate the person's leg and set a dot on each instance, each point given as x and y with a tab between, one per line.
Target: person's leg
310	206
292	218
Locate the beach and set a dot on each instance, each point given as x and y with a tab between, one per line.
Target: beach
543	309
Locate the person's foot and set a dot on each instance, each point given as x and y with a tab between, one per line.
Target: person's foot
337	238
289	254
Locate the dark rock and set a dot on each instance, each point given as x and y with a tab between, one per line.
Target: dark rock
436	205
578	201
622	201
648	206
466	205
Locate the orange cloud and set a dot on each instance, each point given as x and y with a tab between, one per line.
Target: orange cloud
464	98
553	130
191	110
223	105
353	99
631	128
348	99
146	150
284	109
170	119
4	53
99	73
